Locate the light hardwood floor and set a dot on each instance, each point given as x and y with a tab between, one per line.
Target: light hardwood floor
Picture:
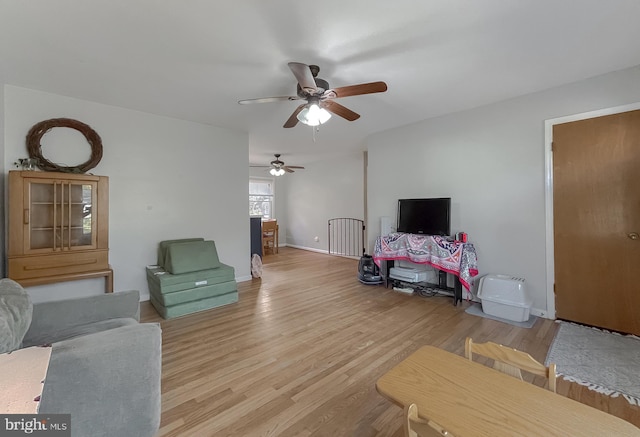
300	353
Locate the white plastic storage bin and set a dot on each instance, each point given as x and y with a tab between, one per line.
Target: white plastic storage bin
505	297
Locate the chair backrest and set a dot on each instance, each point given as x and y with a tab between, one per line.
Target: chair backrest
269	227
511	361
269	236
414	426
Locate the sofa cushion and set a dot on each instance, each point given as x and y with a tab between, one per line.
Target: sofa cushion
69	332
162	248
60	316
165	282
108	381
16	310
197	293
191	257
181	309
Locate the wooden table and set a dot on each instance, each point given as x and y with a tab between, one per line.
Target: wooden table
107	273
470	399
22	373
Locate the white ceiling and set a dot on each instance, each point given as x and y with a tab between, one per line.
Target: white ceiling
194	59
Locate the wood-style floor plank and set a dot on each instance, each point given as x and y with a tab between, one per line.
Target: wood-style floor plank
300	353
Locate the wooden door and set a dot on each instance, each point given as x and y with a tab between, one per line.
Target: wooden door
596	203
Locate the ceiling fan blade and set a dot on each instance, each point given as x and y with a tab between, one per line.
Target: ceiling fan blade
303	76
288	169
356	90
295	166
268	100
340	110
293	119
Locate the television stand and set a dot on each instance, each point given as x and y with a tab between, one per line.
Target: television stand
443	253
456	290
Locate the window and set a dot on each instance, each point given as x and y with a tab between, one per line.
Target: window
261	195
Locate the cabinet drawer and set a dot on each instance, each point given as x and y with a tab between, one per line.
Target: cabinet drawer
26	267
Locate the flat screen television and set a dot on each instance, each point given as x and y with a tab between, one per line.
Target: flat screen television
425	216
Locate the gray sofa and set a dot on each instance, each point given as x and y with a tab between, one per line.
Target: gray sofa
105	367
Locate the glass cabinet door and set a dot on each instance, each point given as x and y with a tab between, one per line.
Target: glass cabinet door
60	216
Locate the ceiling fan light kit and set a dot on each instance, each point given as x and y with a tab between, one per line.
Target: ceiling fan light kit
319	96
313	115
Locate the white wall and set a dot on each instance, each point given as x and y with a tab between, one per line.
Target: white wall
322	191
490	161
168	179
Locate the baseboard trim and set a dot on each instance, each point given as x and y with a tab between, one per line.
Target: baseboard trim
310	249
324	251
540	313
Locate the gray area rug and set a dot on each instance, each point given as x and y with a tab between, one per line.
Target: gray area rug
476	310
606	362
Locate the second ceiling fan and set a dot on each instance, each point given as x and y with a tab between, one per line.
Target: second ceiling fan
278	168
319	97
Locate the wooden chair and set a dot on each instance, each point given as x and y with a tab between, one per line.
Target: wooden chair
417	427
511	361
269	236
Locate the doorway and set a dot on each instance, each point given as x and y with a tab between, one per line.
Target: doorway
595	195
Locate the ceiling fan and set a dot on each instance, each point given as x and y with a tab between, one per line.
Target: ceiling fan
278	168
319	97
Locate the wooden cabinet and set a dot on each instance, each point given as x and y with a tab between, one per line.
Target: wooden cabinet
58	227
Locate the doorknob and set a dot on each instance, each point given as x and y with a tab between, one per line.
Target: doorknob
633	235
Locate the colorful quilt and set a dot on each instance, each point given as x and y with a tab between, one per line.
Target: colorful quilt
443	253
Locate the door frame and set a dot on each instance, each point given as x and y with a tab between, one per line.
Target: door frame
548	190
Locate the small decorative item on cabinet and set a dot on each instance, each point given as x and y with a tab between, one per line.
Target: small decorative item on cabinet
27	164
58	227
